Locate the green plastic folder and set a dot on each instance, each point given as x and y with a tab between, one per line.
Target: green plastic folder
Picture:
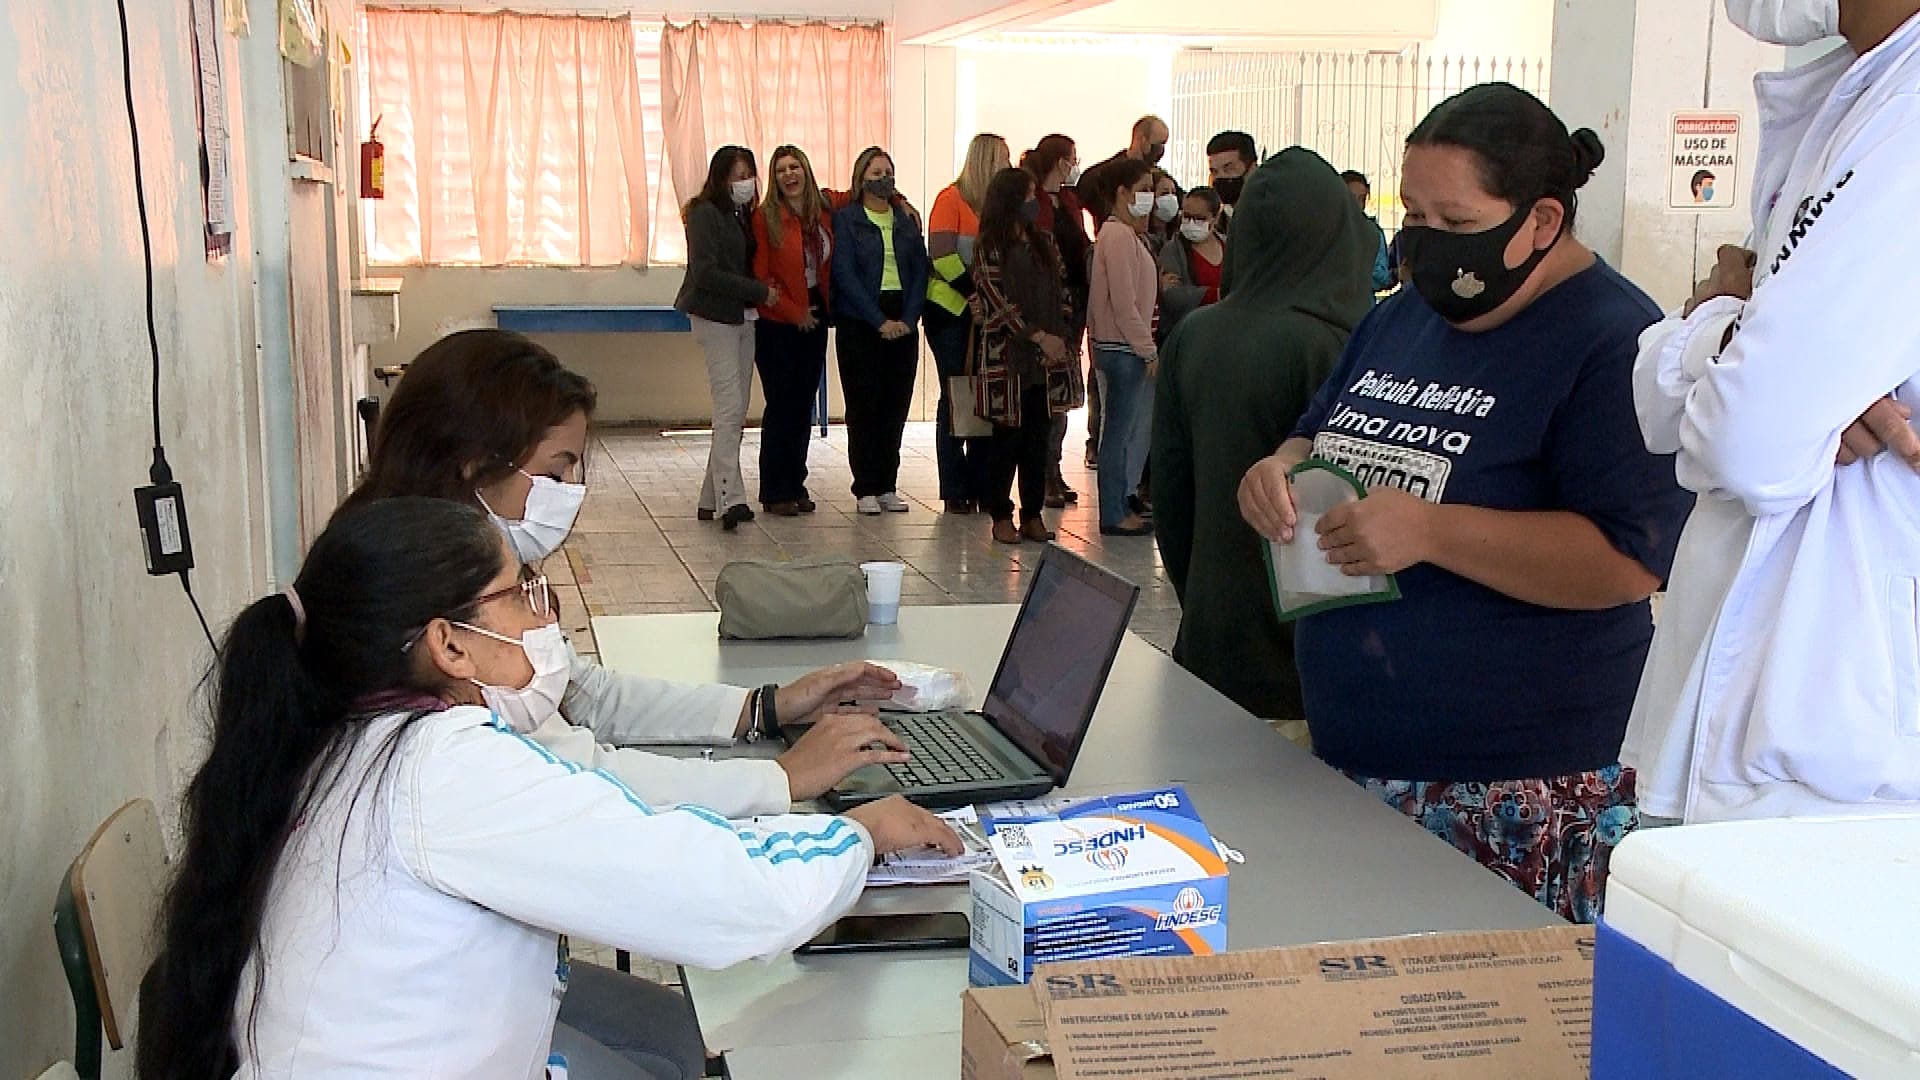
1303	582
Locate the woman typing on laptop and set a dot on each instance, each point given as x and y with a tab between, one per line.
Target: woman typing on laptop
488	418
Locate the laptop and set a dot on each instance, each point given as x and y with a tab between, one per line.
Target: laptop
1023	740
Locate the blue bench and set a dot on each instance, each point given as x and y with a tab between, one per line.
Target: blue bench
614	319
591	319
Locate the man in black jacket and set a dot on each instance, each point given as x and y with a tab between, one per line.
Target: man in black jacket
1149	144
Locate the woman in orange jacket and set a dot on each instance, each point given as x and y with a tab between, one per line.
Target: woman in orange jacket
793	249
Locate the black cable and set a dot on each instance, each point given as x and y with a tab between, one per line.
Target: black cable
146	236
159	472
201	615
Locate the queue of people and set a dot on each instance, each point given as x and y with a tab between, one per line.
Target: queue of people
771	271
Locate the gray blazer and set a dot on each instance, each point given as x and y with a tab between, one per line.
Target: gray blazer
719	285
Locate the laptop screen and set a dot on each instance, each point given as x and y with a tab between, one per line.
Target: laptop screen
1062	646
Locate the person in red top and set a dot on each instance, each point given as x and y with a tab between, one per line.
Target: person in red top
793	252
1192	260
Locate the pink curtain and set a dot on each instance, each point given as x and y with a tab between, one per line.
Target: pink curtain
826	89
510	139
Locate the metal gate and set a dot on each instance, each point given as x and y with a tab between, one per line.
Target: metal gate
1354	109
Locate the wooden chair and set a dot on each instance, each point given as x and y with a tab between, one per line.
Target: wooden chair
103	922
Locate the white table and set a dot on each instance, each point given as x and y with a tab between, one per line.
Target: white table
1324	860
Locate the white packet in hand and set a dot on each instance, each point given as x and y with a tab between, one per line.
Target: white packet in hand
924	688
1303	581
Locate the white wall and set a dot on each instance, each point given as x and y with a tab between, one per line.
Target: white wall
1516	29
1315	25
97	660
1090	90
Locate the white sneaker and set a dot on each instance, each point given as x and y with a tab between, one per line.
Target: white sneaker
867	504
892	503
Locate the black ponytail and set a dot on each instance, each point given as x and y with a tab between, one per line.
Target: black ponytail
1523	149
288	698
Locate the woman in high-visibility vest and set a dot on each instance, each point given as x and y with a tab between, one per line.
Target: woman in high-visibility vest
951	231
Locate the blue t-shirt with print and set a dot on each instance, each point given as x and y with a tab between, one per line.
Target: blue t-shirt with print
1454	681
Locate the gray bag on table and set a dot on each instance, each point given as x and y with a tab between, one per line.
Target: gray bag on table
804	598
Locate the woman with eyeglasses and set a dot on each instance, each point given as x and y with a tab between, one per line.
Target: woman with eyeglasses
380	871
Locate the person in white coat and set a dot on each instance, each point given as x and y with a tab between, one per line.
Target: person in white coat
490	418
379	874
1784	678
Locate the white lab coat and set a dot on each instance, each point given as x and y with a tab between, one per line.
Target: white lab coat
414	924
605	714
1784	678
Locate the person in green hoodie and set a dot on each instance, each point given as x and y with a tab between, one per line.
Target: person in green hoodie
1234	379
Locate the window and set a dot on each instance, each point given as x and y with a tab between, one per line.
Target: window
509	139
537	140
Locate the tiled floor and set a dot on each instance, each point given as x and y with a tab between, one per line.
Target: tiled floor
638	548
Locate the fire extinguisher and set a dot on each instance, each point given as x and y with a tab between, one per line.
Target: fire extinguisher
373	164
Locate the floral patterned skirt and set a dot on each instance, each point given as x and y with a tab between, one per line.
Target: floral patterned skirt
1551	838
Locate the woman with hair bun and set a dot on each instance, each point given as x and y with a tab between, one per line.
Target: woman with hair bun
1489	411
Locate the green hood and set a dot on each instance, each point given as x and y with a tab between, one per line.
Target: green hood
1300	243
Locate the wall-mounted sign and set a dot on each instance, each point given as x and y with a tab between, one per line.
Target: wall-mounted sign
1705	161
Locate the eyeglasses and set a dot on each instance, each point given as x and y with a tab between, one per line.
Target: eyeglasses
538	595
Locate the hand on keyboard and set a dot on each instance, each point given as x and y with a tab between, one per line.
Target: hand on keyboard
840	743
939	754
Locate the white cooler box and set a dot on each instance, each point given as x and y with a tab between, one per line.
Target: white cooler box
1760	950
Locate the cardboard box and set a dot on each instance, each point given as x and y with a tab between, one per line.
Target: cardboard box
1114	875
1518	1004
1003	1035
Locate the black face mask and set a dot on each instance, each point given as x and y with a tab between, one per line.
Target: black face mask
1229	188
1155	151
882	188
1463	276
1030	211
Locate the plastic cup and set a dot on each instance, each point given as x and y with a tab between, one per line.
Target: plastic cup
883	591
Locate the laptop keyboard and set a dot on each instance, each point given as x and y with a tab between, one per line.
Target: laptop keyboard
941	755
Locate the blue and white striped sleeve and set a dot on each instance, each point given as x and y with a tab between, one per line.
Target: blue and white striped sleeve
487	815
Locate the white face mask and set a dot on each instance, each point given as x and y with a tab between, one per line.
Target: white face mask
1142	204
1786	22
744	191
551	508
1195	231
1073	176
1166	207
534	704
